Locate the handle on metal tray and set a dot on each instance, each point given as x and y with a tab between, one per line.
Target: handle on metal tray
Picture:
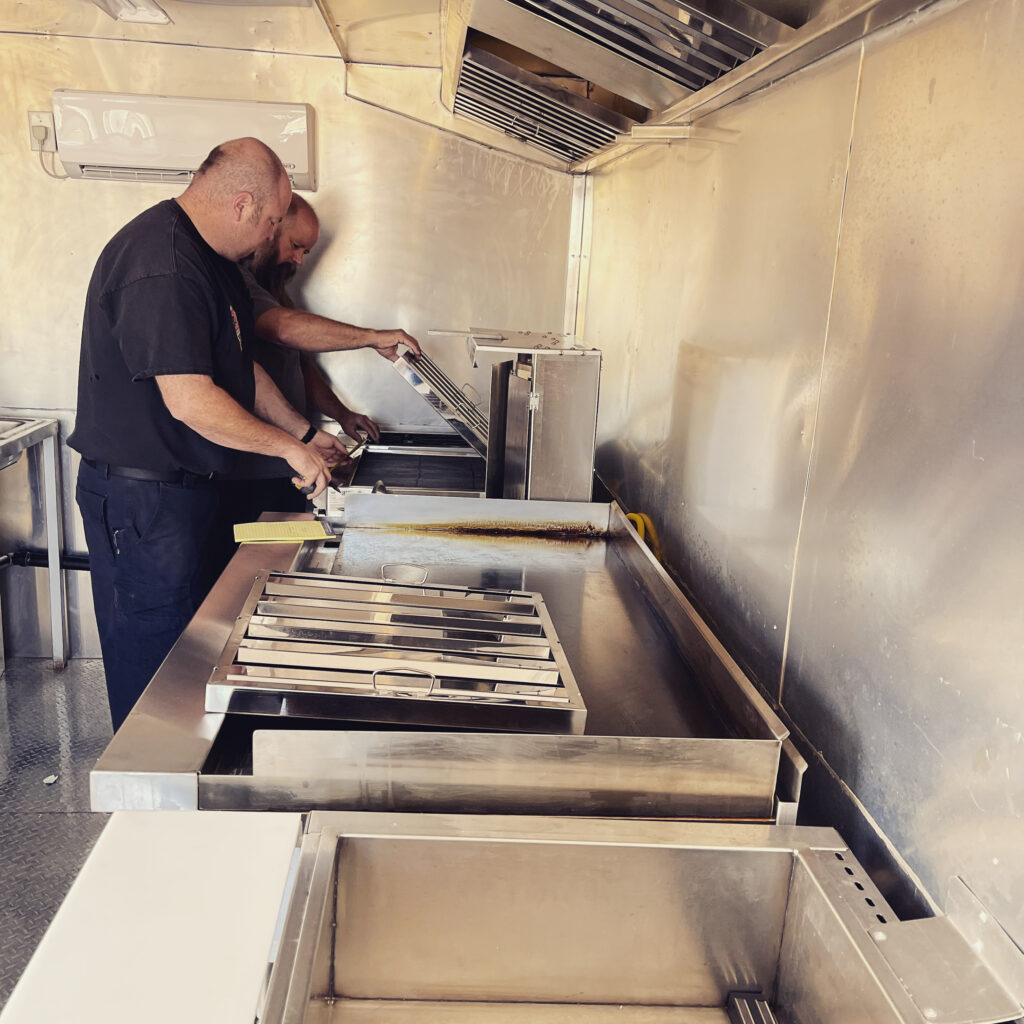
403	672
408	565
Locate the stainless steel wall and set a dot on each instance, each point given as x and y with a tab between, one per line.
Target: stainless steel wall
421	229
813	384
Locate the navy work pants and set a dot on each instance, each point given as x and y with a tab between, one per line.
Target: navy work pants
148	560
244	501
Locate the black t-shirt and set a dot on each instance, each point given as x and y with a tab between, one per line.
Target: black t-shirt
160	301
284	365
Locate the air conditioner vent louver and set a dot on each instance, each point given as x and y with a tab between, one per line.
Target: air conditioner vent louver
168	175
691	44
524	107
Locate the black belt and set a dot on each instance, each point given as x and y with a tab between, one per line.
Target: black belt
177	476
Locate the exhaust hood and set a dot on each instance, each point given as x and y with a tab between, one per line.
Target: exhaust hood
631	59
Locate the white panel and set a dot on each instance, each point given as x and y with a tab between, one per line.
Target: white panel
165	138
171	919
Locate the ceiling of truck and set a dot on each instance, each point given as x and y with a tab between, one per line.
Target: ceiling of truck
553	81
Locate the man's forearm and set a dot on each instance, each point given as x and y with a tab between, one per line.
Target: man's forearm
310	332
273	407
213	413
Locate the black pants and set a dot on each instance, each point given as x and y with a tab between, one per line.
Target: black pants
148	560
243	501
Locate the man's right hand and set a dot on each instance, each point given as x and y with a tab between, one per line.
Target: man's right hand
387	342
310	469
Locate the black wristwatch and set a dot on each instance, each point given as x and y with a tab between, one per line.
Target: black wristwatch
309	434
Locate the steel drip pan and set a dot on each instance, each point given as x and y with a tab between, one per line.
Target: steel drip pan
308	645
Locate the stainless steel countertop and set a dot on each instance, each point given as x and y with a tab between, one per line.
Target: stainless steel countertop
620	619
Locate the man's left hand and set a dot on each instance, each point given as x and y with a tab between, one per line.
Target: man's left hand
353	422
329	448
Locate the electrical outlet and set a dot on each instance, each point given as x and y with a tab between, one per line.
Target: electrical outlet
41	119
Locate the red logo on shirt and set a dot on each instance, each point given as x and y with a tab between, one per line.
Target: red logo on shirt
234	320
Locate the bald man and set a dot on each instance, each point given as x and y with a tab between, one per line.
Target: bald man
167	393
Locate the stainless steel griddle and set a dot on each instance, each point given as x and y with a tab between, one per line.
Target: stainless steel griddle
673	728
307	645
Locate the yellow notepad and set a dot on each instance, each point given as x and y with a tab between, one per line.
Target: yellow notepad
280	533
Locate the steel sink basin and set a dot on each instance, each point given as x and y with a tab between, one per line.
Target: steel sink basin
439	919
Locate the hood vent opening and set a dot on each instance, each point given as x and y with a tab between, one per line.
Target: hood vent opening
562	119
690	44
572	76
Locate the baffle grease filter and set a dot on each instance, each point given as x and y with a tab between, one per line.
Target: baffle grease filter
317	646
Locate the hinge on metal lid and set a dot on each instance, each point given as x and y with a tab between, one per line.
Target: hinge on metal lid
534	401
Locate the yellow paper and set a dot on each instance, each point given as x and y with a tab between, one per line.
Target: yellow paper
279	533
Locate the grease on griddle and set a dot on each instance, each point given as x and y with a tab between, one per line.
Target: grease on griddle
510	529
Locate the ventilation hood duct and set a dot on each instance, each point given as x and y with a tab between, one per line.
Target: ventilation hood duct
652	53
524	107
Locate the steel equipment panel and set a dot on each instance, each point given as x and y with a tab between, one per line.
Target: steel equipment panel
425	377
17	434
564	426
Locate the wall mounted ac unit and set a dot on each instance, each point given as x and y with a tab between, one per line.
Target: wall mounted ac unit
119	137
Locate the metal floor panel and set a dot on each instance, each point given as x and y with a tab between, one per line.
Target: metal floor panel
51	724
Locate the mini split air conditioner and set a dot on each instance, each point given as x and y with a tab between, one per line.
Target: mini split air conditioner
119	137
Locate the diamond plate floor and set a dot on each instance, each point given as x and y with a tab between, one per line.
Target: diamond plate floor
51	724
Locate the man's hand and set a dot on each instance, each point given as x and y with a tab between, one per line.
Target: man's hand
353	422
329	448
310	469
387	342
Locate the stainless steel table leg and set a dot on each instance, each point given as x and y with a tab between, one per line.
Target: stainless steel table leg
55	548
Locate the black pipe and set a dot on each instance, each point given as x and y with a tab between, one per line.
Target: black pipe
37	558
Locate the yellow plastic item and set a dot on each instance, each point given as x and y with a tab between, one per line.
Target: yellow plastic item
645	528
280	533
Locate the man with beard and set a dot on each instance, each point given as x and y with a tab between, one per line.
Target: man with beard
287	340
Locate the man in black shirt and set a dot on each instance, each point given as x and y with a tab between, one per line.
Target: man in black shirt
167	391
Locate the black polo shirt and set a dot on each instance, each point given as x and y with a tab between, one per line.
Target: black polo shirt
160	302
